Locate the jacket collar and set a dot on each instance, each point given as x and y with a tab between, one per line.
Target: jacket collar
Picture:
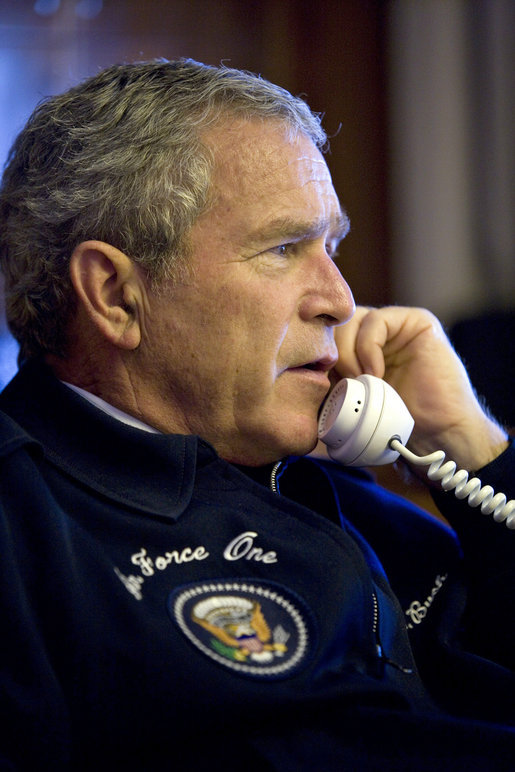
154	473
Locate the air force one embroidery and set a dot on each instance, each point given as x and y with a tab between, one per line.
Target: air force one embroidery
259	630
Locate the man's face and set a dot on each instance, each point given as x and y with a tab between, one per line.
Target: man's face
240	352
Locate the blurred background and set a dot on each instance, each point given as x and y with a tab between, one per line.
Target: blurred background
418	97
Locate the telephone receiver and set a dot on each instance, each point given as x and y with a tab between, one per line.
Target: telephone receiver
364	422
359	418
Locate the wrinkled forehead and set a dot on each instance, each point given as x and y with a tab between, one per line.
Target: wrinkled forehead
260	155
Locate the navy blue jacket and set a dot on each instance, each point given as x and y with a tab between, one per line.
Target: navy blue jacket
164	609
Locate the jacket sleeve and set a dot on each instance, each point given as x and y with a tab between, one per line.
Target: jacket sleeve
34	730
35	722
489	564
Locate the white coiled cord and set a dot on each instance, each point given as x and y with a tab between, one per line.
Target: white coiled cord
472	490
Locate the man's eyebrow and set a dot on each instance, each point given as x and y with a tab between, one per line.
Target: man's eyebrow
290	229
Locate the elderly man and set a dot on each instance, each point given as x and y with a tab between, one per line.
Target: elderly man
181	585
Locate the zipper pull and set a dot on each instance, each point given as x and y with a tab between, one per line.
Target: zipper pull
387	661
383	659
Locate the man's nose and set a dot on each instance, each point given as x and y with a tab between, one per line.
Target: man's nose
329	296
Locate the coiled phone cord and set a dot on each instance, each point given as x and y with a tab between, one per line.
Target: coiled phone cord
450	480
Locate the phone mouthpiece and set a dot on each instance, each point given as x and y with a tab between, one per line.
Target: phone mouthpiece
359	418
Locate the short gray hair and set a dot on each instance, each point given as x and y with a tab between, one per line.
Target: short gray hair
118	158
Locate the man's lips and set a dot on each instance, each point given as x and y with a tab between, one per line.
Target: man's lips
316	371
321	364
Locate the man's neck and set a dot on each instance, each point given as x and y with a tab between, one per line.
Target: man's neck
115	412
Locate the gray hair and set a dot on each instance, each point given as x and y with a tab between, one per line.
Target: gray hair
118	158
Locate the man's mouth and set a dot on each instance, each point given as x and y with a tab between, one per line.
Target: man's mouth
313	366
317	371
323	364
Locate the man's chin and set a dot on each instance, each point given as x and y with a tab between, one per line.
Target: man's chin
266	437
268	450
276	449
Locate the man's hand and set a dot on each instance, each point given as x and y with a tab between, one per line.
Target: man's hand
409	349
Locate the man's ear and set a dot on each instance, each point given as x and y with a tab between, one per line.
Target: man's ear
109	289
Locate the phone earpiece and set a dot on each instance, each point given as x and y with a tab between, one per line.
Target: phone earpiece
359	418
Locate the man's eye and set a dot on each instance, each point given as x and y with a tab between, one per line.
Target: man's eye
283	250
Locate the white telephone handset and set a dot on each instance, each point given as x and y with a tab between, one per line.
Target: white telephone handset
364	422
359	418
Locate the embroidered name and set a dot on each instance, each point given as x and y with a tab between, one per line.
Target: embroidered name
132	583
148	566
417	610
242	547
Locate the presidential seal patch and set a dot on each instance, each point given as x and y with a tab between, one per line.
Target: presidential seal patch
257	629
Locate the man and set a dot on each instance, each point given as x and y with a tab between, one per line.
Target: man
168	242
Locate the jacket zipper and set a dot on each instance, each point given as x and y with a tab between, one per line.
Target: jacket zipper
274	487
379	649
